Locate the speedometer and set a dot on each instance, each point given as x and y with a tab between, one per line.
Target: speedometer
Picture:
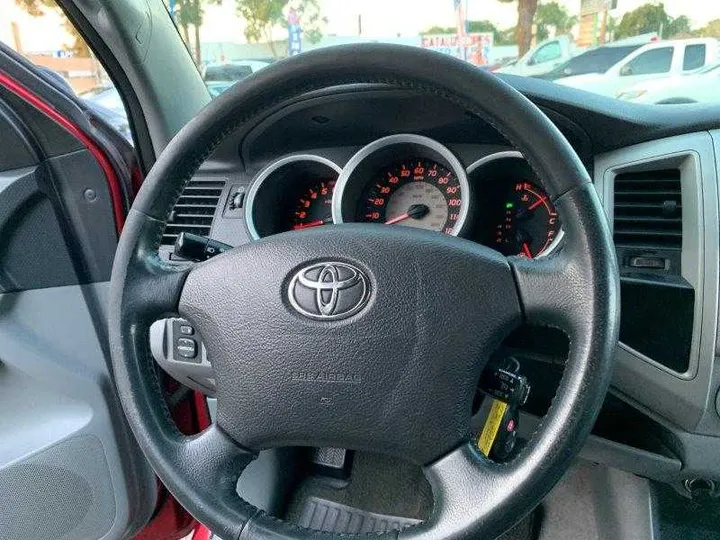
405	180
415	192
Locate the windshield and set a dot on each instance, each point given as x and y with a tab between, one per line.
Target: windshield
649	52
626	49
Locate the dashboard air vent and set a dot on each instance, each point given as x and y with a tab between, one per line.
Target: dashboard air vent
194	210
648	209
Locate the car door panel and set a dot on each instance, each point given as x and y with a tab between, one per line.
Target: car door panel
69	467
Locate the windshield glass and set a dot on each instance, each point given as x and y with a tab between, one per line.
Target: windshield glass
627	49
649	52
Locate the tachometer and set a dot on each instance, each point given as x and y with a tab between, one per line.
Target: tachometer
294	192
414	192
314	206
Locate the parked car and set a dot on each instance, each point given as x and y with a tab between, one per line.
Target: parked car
655	60
700	87
544	57
500	63
597	60
231	71
106	103
218	87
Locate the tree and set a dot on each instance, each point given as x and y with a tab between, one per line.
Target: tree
712	29
652	18
556	16
263	16
37	8
190	13
679	27
523	30
610	28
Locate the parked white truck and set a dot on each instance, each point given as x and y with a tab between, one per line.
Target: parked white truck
657	60
544	57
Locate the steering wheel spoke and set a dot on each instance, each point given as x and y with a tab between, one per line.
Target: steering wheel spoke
570	289
210	465
152	287
461	480
549	290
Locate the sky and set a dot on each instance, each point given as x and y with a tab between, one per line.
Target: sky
410	17
380	18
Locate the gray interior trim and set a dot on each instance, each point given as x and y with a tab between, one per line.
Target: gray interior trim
681	398
56	390
594	502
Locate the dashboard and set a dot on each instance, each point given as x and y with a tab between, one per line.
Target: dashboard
398	158
412	181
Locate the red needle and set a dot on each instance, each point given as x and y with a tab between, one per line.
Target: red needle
397	219
309	224
537	203
526	250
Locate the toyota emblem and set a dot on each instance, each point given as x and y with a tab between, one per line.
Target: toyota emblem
329	290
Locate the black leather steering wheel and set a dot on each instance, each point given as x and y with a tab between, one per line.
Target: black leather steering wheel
397	376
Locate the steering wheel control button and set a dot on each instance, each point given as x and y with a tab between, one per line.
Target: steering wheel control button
329	291
186	347
186	330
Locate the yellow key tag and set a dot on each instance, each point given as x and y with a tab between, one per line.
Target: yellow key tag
492	425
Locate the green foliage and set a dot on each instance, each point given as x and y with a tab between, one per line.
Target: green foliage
711	30
310	19
37	8
553	15
440	30
678	27
189	12
262	16
652	18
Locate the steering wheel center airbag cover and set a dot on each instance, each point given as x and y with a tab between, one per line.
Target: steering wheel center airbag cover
397	375
329	290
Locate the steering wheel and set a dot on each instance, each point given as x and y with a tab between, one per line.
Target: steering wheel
422	313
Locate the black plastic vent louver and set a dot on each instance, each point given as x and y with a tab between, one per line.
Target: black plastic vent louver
648	209
194	210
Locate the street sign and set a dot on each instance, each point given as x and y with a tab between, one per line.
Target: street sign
294	33
474	47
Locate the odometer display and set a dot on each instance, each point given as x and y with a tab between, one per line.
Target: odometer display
415	192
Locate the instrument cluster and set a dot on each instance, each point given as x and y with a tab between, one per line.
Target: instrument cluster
410	181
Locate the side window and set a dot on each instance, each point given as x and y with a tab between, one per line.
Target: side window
546	53
40	32
650	62
694	57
